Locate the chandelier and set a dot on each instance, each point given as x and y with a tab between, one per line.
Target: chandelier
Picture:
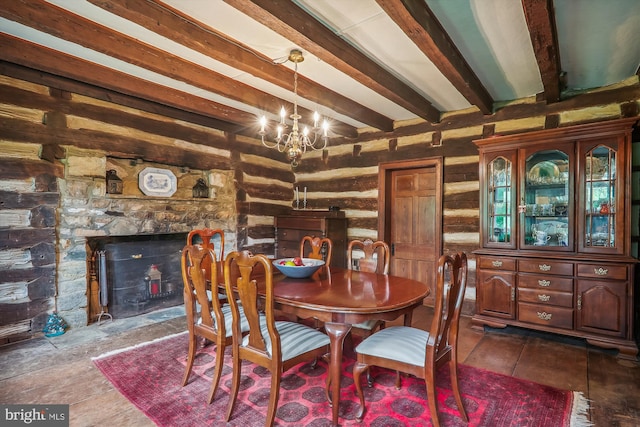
294	142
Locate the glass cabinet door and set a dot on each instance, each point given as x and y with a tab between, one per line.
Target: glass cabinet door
500	202
600	200
545	201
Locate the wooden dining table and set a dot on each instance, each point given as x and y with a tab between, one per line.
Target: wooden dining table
339	298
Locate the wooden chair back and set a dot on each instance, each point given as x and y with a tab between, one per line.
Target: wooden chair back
240	281
206	237
395	347
209	321
450	289
277	346
317	248
376	255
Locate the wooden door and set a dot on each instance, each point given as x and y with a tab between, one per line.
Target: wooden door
411	221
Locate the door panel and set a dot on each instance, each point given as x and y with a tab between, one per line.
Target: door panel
415	223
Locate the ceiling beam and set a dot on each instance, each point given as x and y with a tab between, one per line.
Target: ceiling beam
21	52
540	18
68	26
81	88
185	30
294	23
417	21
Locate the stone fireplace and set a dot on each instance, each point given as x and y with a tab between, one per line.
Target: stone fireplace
89	219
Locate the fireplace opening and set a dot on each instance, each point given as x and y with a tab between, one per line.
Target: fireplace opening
133	275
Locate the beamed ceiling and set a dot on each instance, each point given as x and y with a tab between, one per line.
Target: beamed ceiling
369	64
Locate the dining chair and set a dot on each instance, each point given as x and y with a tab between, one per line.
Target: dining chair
376	255
420	352
375	260
206	238
213	321
318	248
274	345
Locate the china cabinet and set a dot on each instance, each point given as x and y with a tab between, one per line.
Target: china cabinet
555	233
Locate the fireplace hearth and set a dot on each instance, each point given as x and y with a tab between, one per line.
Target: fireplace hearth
137	274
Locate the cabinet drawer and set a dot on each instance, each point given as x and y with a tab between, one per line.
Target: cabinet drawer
546	266
288	250
535	296
536	281
546	315
302	223
497	263
295	235
603	271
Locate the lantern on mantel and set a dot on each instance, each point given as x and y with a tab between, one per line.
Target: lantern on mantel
114	184
200	190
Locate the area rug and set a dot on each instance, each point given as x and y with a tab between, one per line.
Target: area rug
149	375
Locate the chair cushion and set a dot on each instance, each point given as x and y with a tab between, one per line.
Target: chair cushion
401	343
367	324
228	320
295	339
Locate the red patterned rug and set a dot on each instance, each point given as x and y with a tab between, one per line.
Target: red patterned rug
149	375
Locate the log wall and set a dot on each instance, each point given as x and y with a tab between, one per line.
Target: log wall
59	137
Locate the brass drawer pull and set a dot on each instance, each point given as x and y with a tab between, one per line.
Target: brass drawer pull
600	271
544	267
136	256
544	283
496	263
544	316
544	298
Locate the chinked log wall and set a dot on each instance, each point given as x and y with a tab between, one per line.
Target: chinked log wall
41	116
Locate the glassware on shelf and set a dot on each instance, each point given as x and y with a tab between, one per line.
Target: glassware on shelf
600	186
500	192
546	199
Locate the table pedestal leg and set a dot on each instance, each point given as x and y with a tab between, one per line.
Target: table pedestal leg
337	333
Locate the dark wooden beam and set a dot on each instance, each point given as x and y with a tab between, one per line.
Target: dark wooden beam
294	23
35	56
541	21
419	24
76	29
72	86
185	30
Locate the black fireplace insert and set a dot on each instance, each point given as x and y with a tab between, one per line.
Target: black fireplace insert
139	274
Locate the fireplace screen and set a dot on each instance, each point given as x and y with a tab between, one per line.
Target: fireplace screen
141	275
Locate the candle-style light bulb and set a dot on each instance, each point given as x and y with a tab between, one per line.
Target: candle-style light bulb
280	130
316	119
305	131
325	128
283	114
263	123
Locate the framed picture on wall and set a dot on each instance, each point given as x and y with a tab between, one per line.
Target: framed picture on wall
157	182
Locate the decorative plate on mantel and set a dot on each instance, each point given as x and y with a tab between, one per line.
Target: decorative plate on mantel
157	182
